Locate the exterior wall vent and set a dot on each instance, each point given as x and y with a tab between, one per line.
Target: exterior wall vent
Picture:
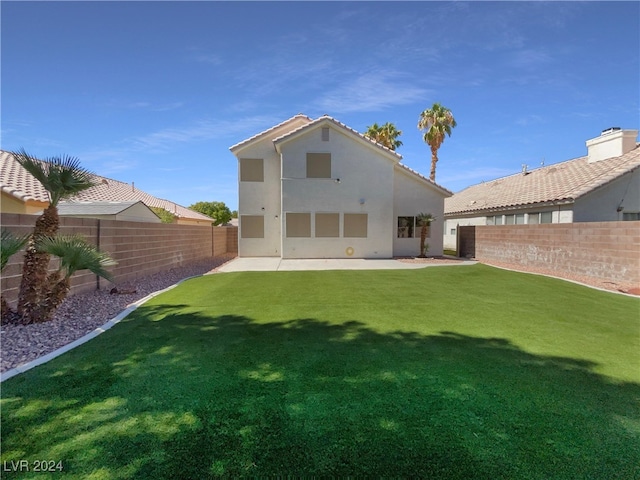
325	134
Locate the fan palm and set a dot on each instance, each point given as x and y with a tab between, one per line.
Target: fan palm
75	254
436	122
423	220
10	244
386	135
61	177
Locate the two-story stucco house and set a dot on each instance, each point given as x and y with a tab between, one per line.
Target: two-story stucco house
319	189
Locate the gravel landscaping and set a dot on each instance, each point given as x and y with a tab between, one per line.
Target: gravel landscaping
82	313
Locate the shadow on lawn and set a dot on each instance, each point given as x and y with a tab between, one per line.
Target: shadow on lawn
201	397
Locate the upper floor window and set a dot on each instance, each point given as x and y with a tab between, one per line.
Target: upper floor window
318	165
325	134
626	216
251	170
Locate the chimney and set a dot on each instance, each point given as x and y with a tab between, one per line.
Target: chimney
612	142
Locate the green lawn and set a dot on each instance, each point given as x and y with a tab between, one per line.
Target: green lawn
448	372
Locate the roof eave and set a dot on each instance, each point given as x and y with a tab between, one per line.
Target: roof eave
502	208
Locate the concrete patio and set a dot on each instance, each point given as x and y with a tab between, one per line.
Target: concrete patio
273	264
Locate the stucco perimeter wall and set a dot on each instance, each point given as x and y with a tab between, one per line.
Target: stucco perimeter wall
608	251
140	248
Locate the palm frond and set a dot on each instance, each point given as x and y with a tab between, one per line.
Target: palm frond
75	254
10	245
62	177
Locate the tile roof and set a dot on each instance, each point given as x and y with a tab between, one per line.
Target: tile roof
299	116
340	125
19	183
411	171
94	208
560	182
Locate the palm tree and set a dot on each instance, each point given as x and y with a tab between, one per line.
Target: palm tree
75	254
10	244
423	220
436	122
386	135
61	177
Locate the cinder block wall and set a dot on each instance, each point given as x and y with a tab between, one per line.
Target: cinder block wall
139	248
608	251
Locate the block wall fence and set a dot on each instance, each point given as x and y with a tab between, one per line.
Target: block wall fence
608	251
139	248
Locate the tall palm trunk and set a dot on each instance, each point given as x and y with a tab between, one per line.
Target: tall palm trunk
434	160
33	287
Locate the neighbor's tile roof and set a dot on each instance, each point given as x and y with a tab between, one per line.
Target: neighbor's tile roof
560	182
94	208
19	183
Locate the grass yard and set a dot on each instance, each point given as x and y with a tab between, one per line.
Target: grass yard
446	372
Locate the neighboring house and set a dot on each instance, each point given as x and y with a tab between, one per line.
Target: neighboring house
123	211
319	189
22	193
602	186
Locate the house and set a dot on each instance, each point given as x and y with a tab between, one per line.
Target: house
123	211
319	189
602	186
22	193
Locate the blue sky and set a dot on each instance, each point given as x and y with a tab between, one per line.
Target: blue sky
156	92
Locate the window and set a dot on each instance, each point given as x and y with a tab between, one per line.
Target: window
410	227
298	225
406	227
318	165
509	219
491	220
325	134
630	216
453	231
546	217
327	224
251	226
498	220
355	225
520	219
251	170
534	218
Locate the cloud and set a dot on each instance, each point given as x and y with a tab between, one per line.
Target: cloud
371	92
122	155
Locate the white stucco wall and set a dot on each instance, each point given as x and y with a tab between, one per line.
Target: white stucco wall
602	204
262	198
411	197
366	186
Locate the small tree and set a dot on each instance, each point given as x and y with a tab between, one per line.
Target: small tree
218	211
62	177
75	254
165	215
423	220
